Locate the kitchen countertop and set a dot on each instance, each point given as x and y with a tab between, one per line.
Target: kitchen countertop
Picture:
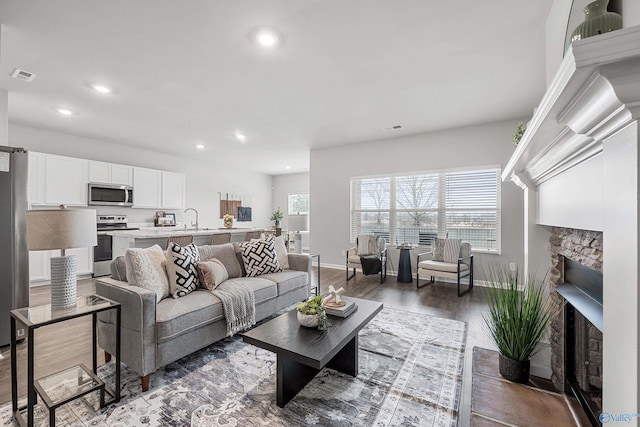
151	233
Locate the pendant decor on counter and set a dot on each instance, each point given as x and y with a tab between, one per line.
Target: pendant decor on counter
597	21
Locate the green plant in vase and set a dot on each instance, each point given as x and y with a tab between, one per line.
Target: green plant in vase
519	314
277	216
312	314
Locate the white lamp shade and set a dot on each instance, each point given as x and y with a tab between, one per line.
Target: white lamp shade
299	222
49	229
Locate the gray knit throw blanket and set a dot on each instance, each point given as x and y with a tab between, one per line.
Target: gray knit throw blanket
239	304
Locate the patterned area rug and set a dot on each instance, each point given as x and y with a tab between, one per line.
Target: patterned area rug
410	374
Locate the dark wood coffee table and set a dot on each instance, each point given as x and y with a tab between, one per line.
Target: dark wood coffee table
303	352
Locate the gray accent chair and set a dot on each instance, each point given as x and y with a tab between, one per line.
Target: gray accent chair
463	267
353	260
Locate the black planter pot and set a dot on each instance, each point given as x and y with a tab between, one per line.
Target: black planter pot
514	370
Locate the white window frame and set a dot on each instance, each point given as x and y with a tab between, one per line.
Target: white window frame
441	209
290	211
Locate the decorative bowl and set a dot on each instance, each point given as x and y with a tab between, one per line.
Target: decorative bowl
308	320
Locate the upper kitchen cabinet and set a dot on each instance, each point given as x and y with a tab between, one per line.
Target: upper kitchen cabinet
65	181
173	185
37	162
147	184
109	173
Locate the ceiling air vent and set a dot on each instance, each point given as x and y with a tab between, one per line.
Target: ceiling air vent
390	128
23	75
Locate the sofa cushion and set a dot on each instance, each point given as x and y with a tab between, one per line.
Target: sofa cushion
145	268
287	280
175	317
263	289
182	269
226	253
260	258
211	273
442	266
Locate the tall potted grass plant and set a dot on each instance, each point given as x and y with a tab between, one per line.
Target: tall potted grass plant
519	314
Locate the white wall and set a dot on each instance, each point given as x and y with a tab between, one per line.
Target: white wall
574	198
204	179
630	13
4	117
331	169
283	185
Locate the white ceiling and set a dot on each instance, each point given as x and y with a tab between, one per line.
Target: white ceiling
187	72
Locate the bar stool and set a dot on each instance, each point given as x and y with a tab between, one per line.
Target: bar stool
180	240
220	238
252	235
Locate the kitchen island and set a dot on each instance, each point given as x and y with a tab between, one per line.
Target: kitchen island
144	238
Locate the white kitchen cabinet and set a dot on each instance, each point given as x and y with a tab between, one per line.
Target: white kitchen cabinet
147	184
173	185
40	263
100	172
37	164
121	174
66	181
110	173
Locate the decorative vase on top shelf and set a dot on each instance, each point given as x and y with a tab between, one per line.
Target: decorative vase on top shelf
597	21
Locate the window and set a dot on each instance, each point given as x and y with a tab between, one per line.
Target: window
298	204
460	204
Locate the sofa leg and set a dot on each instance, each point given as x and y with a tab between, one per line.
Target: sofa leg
107	357
145	382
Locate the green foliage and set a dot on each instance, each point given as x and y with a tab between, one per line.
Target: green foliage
277	215
517	135
313	306
517	319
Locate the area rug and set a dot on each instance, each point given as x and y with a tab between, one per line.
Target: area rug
410	374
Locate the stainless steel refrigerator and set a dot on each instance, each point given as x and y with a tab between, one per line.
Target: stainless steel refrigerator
14	257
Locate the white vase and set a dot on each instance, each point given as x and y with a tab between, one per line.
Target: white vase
308	320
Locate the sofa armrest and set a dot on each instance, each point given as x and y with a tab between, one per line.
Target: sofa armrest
300	262
138	324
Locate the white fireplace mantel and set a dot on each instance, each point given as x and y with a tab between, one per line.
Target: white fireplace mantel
595	93
579	165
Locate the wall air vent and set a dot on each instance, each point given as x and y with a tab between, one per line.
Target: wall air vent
23	75
391	128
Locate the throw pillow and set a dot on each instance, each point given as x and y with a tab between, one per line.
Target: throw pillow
438	250
281	251
211	273
182	268
452	250
259	257
367	244
145	268
226	254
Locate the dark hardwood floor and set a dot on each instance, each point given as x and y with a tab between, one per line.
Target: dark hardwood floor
62	345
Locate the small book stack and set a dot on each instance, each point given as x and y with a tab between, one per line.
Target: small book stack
340	311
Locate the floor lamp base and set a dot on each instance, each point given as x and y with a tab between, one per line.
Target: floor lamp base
64	283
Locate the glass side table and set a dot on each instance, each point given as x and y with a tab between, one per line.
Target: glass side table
78	379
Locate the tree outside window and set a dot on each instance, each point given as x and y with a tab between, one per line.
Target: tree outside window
298	204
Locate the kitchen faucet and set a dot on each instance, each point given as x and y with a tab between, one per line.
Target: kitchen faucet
195	210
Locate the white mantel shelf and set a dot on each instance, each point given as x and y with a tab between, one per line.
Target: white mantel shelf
594	94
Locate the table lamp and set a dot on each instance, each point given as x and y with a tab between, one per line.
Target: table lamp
62	228
298	223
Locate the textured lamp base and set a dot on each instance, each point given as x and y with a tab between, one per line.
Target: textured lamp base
64	283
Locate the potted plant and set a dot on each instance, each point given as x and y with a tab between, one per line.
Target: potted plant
517	135
277	216
517	319
311	314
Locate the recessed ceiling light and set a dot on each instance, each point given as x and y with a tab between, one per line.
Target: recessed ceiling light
200	146
287	167
102	88
241	136
65	112
267	38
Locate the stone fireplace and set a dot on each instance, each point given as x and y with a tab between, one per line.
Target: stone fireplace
576	343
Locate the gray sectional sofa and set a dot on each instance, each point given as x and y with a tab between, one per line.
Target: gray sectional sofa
157	333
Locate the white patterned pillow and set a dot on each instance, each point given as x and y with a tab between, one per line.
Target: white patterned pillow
182	268
452	250
259	257
146	268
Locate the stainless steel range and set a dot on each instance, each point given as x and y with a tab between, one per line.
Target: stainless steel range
103	252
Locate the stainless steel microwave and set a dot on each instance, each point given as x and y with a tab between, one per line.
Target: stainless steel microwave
110	195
